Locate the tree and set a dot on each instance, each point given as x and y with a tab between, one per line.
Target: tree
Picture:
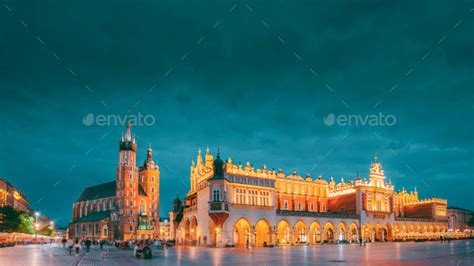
47	231
12	220
9	219
26	224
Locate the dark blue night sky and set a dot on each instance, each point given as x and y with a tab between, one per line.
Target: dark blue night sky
256	78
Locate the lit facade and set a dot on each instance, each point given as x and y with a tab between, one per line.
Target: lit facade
10	196
231	204
127	208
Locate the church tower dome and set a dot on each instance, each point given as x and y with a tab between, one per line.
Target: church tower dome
218	165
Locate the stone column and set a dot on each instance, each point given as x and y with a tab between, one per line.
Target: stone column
219	242
273	235
292	236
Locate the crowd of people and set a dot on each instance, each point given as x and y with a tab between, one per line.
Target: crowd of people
142	249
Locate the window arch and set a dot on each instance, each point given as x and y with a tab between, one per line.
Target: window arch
285	205
142	206
105	230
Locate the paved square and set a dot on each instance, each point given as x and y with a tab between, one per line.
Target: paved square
430	253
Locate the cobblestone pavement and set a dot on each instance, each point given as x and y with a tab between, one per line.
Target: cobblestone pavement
428	253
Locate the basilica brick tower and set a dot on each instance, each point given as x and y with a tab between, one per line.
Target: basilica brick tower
127	208
127	184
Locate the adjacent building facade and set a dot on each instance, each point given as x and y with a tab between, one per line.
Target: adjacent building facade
460	220
10	196
232	204
123	209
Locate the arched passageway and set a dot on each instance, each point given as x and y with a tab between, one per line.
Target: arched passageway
283	233
315	235
328	233
300	233
262	233
242	232
193	230
354	232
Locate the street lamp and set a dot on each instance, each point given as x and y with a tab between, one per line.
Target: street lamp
37	214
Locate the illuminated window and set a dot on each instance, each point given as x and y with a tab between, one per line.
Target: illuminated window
215	195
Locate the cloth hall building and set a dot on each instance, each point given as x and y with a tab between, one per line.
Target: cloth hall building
123	209
232	204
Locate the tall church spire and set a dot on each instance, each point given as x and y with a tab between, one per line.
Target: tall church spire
128	132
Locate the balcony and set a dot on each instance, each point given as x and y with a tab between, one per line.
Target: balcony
218	206
417	219
190	209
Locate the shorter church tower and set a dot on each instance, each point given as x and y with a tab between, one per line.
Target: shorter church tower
150	183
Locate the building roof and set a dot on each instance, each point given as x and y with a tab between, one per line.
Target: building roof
100	191
96	216
459	208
